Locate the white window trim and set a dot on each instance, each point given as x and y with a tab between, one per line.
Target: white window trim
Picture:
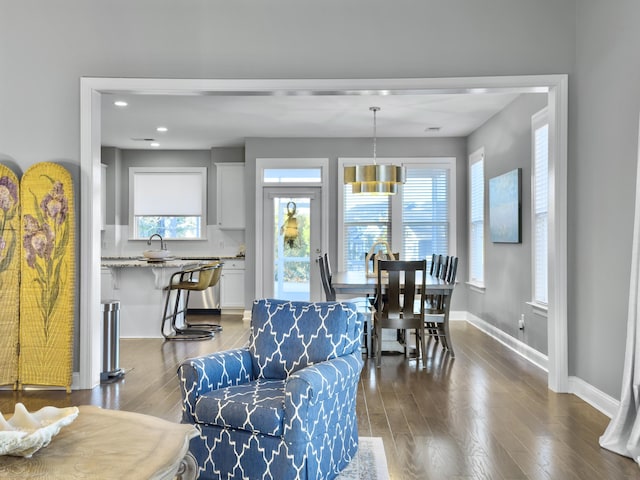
537	120
396	208
539	308
265	163
479	287
203	175
92	89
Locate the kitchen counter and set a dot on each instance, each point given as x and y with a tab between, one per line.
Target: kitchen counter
173	262
139	286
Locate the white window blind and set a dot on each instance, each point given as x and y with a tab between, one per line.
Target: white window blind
167	193
425	213
416	222
366	220
169	201
540	209
476	218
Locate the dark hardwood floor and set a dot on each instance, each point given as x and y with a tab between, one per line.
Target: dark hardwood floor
487	414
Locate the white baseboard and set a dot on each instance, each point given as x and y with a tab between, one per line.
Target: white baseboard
538	359
599	400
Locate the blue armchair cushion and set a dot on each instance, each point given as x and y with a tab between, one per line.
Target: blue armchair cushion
287	336
256	406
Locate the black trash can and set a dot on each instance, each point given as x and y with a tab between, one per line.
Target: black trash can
111	370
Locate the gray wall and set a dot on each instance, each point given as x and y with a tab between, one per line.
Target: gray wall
333	148
604	103
506	139
45	47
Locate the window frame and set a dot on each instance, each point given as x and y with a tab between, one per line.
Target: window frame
201	171
478	283
396	228
538	120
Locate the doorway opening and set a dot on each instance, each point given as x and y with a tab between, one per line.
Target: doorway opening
556	86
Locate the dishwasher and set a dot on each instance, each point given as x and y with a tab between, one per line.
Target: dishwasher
205	301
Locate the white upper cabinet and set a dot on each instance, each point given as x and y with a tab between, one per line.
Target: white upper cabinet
230	202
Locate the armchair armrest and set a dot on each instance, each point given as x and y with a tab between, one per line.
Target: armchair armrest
204	374
319	396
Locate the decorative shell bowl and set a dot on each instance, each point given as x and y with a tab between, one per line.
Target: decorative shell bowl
25	433
156	254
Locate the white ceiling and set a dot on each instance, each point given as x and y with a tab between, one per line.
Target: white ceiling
206	121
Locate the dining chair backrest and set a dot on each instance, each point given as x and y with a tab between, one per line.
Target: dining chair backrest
401	305
327	266
444	269
372	259
329	291
436	265
396	286
452	270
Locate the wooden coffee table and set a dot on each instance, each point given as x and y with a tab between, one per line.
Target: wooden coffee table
110	444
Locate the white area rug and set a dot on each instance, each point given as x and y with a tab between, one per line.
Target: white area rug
370	463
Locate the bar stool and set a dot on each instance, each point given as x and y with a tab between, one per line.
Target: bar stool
215	278
188	280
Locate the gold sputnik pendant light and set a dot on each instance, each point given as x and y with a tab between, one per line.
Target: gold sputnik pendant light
289	228
374	179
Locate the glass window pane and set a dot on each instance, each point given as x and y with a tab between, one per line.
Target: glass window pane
540	210
425	212
292	175
476	226
366	221
168	227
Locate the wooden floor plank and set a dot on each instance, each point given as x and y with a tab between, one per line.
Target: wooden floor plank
487	414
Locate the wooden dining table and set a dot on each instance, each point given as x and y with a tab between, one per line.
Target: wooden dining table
357	283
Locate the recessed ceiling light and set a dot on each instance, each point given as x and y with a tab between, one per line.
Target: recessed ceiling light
154	144
120	103
162	129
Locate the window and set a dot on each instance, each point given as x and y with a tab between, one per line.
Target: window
292	175
540	206
425	213
170	201
476	218
425	206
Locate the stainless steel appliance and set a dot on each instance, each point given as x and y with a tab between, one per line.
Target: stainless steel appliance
206	301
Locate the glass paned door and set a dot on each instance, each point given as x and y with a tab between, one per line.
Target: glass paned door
292	243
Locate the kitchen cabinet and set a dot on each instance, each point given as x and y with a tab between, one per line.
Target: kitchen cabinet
230	203
232	285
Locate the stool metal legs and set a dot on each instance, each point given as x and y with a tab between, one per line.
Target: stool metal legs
185	331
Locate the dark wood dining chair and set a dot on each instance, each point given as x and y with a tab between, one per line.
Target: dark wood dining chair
437	306
362	303
329	291
400	304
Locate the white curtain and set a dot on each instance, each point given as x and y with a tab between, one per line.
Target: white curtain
623	433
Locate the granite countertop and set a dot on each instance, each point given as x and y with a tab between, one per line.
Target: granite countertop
172	262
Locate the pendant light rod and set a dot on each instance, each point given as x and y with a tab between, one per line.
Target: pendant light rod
374	179
375	132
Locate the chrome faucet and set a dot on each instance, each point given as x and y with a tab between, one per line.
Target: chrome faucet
163	246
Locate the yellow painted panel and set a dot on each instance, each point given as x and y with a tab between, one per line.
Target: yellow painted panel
47	290
9	275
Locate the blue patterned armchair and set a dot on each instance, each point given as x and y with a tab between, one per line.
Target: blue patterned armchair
285	406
